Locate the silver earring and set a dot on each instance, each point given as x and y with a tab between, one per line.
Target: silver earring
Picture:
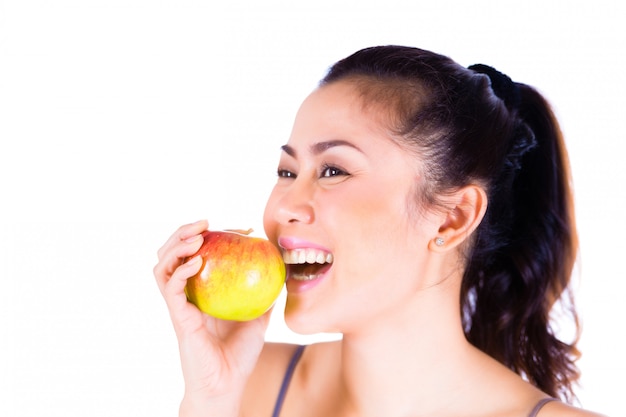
439	241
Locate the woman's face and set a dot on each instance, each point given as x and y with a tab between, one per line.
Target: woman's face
344	213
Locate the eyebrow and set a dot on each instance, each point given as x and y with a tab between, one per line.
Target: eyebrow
320	147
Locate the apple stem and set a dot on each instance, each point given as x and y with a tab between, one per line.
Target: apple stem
241	231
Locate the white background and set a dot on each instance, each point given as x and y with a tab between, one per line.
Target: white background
122	119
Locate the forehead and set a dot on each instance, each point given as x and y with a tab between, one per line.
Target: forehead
336	114
338	109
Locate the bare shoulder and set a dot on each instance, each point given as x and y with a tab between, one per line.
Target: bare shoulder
559	409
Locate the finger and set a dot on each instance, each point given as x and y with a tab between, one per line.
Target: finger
236	333
183	233
175	254
174	288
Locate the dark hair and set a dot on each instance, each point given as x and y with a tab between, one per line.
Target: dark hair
477	126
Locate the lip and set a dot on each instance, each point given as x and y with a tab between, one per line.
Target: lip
289	243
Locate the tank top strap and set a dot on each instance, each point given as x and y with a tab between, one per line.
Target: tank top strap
287	379
539	405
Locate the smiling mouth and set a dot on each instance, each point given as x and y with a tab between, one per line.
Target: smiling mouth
306	264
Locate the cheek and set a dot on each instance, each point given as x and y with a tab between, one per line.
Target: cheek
377	231
369	214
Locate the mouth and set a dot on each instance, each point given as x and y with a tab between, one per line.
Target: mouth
306	264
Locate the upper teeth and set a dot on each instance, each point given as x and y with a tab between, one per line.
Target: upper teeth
306	256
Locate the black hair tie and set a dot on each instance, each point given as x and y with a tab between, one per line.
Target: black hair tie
508	91
501	84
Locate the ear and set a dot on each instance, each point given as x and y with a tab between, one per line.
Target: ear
469	205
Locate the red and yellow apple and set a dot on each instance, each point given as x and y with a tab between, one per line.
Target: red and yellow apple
240	278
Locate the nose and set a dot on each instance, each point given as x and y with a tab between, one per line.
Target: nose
295	205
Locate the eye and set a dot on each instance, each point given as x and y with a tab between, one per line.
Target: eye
331	171
283	173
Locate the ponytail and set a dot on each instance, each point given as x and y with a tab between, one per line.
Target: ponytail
513	280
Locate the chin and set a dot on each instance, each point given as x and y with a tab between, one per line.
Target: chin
308	321
303	321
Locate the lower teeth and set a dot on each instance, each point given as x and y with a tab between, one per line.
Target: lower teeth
304	277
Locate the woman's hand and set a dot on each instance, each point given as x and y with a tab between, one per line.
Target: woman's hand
217	356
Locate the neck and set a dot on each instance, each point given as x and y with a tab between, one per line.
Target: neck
412	354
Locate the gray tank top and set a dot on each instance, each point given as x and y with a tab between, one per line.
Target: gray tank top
540	404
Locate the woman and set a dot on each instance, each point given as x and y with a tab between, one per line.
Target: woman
440	199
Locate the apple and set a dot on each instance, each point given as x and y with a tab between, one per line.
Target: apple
240	278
